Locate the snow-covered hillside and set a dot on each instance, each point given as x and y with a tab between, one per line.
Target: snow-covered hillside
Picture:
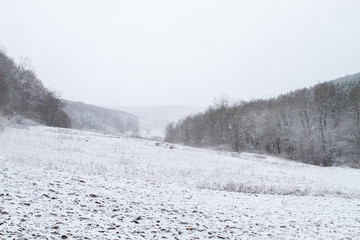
88	117
72	184
353	78
153	120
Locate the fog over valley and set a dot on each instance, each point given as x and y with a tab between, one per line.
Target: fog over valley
161	119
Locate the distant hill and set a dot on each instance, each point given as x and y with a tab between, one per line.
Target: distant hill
153	120
89	117
347	79
347	83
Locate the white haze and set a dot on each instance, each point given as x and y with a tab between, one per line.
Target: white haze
131	53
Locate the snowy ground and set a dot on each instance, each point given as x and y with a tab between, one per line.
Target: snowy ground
57	183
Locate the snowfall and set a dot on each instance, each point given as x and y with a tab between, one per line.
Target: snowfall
70	184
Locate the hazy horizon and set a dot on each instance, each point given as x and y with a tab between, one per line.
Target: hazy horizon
134	53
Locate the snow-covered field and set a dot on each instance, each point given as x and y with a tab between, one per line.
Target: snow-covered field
59	183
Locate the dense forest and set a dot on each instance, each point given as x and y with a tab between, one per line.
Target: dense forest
318	125
23	94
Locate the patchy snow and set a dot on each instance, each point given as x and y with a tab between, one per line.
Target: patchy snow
58	183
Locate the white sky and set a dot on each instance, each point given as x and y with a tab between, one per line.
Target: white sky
181	52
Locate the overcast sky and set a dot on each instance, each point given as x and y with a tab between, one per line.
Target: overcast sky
141	53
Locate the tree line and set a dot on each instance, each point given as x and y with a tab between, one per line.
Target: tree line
23	94
318	125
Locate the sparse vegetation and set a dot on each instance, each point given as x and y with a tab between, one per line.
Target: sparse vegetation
254	189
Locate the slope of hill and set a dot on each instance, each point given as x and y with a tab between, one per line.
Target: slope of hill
62	183
153	120
318	125
353	78
23	95
88	117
